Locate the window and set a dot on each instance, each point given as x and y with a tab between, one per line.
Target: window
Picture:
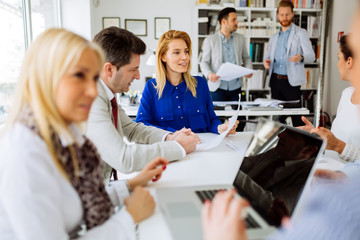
16	34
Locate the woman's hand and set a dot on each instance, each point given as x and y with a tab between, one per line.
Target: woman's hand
308	125
140	205
332	143
221	217
152	171
222	127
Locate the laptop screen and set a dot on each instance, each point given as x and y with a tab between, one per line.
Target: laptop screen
275	169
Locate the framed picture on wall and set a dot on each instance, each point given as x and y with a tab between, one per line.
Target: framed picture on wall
162	25
110	21
136	26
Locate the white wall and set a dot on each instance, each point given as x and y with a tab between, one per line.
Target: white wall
180	12
340	18
76	17
84	18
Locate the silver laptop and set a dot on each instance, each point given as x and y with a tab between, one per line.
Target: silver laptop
277	167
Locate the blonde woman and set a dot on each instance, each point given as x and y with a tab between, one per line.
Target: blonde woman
50	174
175	99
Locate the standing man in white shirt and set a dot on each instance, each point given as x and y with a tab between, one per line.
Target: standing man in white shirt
224	46
108	122
288	50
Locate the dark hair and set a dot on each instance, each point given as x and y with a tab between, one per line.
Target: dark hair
344	47
118	45
285	3
225	13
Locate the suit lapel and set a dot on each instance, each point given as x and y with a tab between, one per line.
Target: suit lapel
219	46
237	45
291	36
292	170
272	55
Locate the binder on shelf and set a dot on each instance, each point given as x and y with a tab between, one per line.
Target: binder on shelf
203	22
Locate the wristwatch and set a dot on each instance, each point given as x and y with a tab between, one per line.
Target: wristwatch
302	58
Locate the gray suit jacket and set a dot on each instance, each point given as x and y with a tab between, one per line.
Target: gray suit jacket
212	55
109	141
298	43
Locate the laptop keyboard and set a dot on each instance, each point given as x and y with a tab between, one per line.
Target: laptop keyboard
209	194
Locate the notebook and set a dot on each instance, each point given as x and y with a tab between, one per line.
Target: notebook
278	165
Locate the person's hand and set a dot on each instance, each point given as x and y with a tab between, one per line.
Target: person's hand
249	75
308	125
267	64
332	143
330	175
213	77
221	217
278	210
296	58
222	127
172	136
152	171
187	141
140	205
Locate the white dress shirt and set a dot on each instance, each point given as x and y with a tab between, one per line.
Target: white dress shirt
36	200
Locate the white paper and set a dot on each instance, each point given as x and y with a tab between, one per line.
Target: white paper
218	139
229	71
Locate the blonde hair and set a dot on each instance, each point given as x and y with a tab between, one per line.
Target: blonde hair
162	48
47	60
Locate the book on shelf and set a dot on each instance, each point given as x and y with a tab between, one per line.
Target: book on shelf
203	22
258	51
314	26
312	78
256	81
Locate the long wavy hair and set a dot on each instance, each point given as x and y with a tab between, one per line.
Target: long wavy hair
163	47
47	60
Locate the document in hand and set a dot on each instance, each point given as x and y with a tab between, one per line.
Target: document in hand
218	139
229	71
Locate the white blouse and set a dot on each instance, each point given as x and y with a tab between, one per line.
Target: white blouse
37	202
346	126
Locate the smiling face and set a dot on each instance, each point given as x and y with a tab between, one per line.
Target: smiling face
77	88
121	79
285	16
177	57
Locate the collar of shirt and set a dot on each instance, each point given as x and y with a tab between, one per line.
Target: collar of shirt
109	93
171	88
66	139
224	39
287	31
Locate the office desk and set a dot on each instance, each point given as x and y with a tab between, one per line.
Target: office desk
216	166
131	111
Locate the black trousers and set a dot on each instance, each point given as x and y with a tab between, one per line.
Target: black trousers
282	90
224	95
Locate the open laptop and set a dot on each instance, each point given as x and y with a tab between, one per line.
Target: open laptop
277	167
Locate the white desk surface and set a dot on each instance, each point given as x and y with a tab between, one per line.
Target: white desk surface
131	111
216	166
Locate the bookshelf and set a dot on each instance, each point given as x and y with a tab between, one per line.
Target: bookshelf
258	24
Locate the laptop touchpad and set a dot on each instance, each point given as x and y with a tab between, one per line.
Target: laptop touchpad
183	210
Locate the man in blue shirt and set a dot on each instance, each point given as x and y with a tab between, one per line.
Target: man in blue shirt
224	46
288	50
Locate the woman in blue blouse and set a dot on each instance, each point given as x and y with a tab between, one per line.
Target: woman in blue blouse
175	99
